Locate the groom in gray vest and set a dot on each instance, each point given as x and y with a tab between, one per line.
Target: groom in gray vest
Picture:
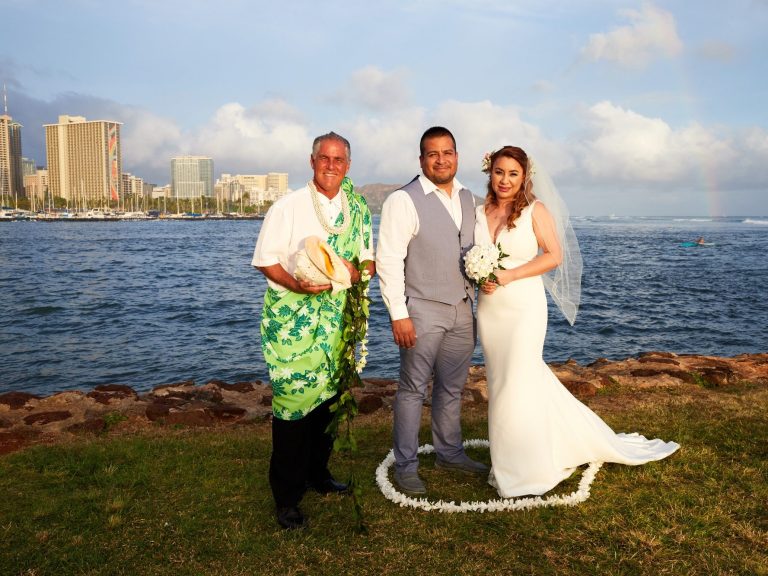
426	228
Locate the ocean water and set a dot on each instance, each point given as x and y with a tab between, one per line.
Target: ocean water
149	303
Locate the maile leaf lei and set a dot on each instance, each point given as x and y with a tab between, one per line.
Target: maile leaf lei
356	312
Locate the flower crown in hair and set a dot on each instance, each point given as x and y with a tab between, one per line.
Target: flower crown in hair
486	164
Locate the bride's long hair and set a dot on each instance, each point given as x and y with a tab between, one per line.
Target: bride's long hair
524	196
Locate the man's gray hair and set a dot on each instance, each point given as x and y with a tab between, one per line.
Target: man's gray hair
331	136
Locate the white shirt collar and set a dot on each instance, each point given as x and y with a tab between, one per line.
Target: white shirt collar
335	201
428	186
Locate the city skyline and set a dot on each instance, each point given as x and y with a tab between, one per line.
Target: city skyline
197	173
636	108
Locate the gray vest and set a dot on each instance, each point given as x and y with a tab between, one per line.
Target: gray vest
434	264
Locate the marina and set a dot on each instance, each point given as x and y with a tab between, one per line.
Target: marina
105	215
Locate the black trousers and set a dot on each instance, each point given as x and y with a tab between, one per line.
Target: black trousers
300	453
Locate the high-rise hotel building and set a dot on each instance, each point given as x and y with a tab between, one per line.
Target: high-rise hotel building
191	177
277	182
84	160
11	175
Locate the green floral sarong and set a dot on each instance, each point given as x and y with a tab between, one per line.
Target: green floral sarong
301	334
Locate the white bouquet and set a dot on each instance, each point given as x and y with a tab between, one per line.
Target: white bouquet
482	260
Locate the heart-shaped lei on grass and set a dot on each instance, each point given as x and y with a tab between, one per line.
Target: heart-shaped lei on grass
498	505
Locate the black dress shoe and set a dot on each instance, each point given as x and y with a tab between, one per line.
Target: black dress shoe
290	517
329	486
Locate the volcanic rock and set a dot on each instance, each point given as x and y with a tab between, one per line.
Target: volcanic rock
28	419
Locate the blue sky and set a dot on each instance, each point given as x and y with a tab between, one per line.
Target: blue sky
635	108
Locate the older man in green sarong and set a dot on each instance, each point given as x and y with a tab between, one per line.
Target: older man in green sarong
302	322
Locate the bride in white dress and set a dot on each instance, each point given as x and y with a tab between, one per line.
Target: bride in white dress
538	432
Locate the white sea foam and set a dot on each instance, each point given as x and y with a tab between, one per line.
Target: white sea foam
758	222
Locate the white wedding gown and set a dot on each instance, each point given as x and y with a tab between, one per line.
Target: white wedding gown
538	432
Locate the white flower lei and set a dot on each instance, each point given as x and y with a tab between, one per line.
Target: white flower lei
321	216
499	505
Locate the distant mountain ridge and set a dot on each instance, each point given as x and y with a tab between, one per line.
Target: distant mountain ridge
375	194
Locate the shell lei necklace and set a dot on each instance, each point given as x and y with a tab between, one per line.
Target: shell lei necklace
321	215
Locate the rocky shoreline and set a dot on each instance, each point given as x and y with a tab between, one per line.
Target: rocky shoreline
27	419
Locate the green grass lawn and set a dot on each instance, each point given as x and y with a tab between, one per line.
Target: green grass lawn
183	501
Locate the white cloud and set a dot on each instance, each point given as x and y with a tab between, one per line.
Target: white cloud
148	142
374	89
270	137
483	126
386	148
652	32
750	167
621	148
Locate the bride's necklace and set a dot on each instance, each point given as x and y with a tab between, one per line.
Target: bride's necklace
323	217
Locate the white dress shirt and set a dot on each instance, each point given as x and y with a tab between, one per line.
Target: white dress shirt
399	224
288	223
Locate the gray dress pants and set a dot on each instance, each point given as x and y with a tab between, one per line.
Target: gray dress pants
445	341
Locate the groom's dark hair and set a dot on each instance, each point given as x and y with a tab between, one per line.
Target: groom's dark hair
435	132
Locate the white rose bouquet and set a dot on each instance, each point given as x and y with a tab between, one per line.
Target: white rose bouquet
482	260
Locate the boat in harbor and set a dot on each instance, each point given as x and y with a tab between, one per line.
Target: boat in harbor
7	214
133	216
99	214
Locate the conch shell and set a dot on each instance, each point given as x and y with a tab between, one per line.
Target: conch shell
319	264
